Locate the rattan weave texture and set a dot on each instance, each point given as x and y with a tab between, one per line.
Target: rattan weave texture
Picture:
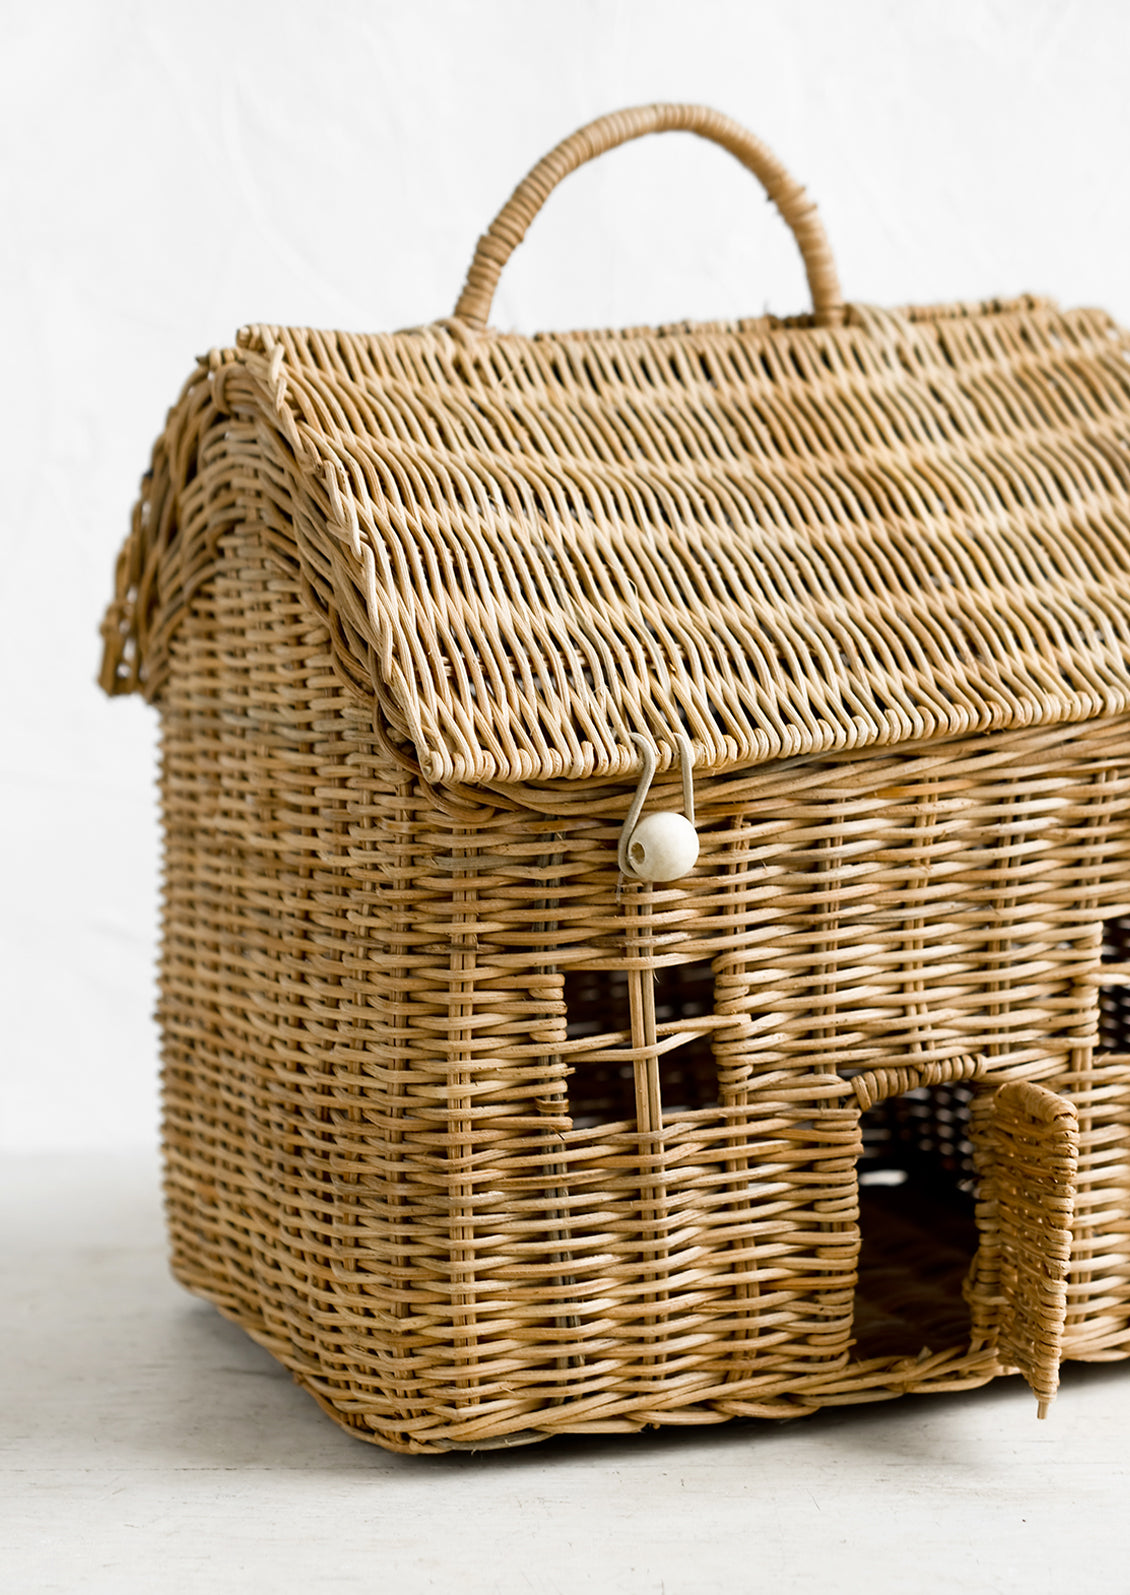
487	1140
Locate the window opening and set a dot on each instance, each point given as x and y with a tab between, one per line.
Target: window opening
1116	941
602	1090
1114	1000
917	1224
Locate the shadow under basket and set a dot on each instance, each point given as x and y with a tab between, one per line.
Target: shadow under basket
918	1231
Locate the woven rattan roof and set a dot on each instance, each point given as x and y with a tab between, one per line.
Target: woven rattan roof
781	538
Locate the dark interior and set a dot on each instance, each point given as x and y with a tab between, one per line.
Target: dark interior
1114	1001
918	1235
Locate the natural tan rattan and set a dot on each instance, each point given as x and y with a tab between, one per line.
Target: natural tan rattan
488	1141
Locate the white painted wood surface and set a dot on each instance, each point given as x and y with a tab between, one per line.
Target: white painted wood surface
147	1445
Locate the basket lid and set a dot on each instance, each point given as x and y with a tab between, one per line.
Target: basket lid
856	527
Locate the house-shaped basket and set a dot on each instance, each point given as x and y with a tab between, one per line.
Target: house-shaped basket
490	1110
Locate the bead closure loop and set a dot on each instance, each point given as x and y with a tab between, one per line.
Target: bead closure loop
664	841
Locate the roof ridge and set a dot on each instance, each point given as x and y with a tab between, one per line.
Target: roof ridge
529	576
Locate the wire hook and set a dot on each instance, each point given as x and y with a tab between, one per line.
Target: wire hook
664	846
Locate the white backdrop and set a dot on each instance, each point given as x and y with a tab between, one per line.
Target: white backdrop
173	170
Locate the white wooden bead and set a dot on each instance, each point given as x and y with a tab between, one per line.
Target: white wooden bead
662	847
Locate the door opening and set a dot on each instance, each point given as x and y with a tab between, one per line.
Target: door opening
918	1232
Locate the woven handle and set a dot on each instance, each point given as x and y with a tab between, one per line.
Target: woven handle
509	227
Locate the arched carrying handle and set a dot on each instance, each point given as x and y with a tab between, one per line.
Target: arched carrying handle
509	227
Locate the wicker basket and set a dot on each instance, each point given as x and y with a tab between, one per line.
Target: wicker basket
490	1111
